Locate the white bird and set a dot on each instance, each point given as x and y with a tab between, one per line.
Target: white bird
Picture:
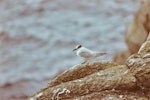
87	54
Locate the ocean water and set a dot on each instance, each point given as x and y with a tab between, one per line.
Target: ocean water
37	38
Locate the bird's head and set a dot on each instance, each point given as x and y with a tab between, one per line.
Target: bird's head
77	47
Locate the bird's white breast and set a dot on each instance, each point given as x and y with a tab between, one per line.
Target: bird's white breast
84	53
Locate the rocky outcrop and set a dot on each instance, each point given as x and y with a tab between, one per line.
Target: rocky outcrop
136	32
107	80
103	80
139	64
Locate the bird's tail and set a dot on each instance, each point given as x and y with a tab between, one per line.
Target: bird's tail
100	54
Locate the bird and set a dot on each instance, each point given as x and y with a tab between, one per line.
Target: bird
87	54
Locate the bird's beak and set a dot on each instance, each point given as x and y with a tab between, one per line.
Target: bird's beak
74	49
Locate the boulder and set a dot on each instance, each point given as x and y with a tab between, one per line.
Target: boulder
97	80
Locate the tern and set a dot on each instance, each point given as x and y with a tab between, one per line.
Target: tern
87	54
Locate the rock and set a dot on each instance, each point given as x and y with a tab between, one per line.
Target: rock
103	80
117	77
80	71
121	56
139	64
113	95
136	32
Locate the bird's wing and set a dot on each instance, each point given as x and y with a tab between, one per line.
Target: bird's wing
100	54
85	54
